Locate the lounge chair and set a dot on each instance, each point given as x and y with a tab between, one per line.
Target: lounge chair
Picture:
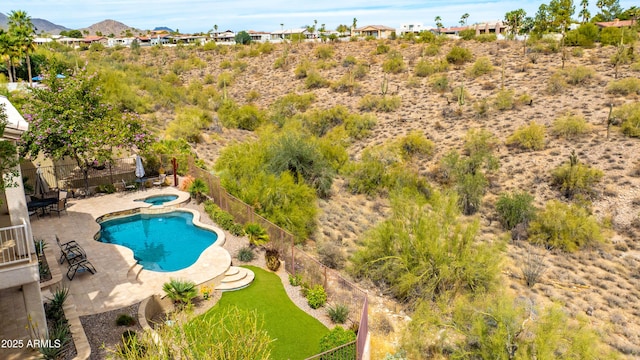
70	251
160	180
79	265
128	187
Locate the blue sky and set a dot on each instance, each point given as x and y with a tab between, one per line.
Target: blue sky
267	15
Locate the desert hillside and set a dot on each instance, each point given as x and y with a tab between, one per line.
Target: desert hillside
600	284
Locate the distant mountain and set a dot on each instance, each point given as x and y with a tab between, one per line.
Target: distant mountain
161	28
108	27
41	25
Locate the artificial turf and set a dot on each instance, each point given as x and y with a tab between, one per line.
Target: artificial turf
296	333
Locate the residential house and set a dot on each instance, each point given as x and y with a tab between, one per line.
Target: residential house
616	23
415	28
227	36
259	36
188	39
120	41
288	33
20	296
375	31
496	27
160	39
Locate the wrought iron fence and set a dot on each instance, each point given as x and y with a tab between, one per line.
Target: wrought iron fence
339	290
69	176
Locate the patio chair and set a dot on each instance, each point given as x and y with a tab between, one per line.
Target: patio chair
70	251
128	187
59	207
79	265
160	180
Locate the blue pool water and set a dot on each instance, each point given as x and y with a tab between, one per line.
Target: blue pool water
160	242
160	199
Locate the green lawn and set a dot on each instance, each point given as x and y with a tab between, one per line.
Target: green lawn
296	334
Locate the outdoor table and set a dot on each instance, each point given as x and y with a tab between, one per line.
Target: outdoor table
41	204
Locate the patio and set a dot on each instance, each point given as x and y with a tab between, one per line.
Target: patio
119	281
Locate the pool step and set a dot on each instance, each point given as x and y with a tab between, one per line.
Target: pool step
236	278
134	272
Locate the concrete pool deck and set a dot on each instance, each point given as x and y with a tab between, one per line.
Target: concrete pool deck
119	282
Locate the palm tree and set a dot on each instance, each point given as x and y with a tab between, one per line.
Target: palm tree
438	21
257	234
6	52
21	27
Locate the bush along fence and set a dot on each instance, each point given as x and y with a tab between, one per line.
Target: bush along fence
299	265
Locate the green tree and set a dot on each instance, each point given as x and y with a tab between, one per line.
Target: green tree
243	38
541	20
342	29
609	10
8	155
354	25
585	15
561	12
68	117
515	208
438	21
514	20
22	30
463	19
8	53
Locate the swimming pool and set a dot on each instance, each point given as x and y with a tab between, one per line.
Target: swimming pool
160	242
159	199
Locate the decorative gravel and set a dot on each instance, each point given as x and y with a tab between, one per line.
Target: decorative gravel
103	333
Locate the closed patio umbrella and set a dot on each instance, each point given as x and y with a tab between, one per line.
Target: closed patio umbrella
41	184
139	167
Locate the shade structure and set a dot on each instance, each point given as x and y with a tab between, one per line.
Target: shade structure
139	167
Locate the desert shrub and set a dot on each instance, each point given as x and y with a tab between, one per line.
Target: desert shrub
336	337
225	79
556	83
379	103
504	100
573	177
245	254
301	157
325	65
331	255
347	84
624	86
188	124
349	60
360	71
629	116
316	297
481	108
280	63
252	96
529	137
467	34
431	50
359	126
579	75
295	280
249	117
426	67
480	67
382	48
486	38
338	313
515	208
289	105
613	35
266	48
394	63
458	55
570	126
415	143
371	174
106	188
222	218
302	70
324	52
585	35
524	99
440	83
410	252
125	320
315	81
567	227
319	121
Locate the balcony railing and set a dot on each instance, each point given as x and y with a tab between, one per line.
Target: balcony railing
14	244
